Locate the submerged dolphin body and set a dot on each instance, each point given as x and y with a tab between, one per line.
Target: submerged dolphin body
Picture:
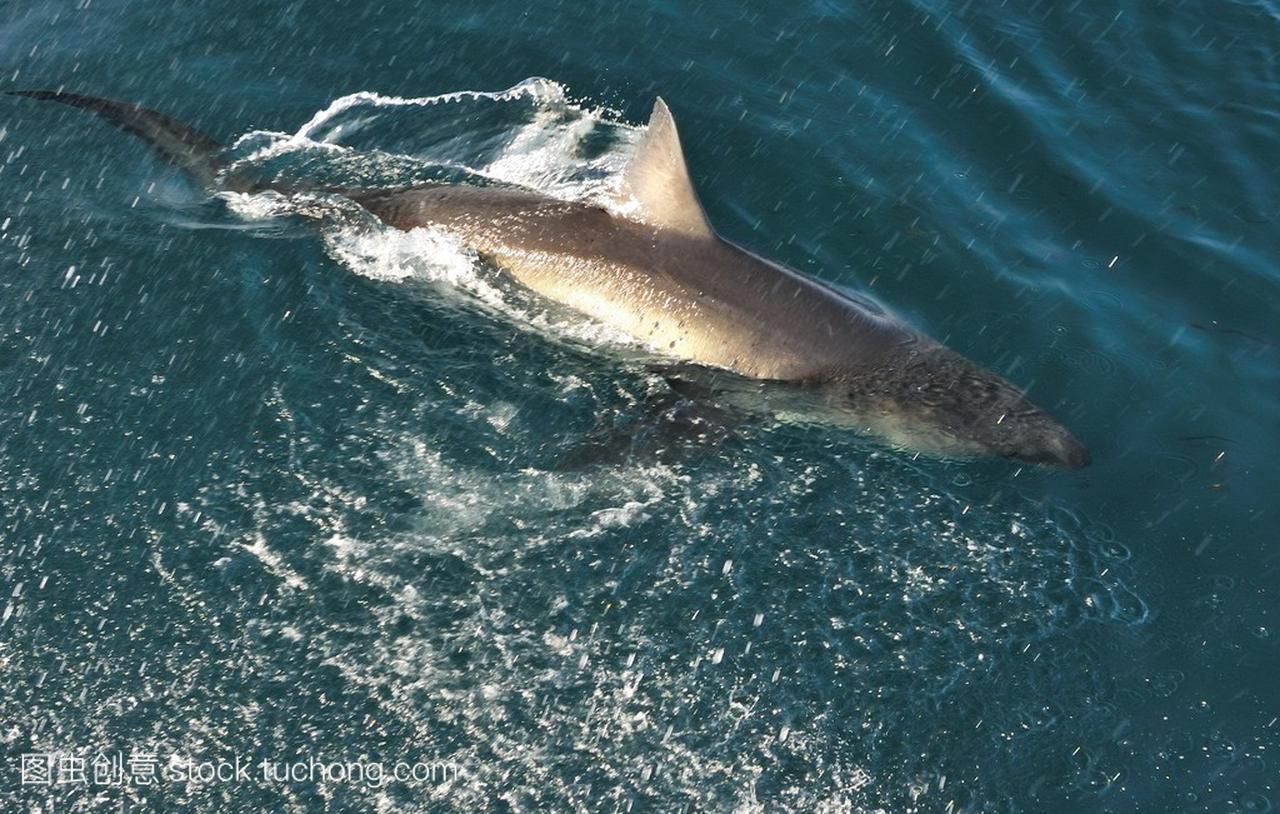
666	278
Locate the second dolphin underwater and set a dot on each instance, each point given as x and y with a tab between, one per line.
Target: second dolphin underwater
666	278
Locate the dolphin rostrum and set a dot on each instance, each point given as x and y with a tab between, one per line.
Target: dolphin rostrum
666	278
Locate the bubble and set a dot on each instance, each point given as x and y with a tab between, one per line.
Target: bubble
1038	716
1127	607
1114	550
1254	803
1167	682
1222	582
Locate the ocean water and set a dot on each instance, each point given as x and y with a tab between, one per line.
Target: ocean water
279	485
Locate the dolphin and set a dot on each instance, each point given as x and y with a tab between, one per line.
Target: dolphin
658	271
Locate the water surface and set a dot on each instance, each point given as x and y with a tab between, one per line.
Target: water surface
282	489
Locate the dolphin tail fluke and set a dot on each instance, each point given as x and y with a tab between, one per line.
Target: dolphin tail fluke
179	144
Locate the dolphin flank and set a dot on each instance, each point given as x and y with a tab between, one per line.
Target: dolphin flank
665	277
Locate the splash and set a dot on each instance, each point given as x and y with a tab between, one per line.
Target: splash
639	631
530	135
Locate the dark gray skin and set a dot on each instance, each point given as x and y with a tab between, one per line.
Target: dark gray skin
656	269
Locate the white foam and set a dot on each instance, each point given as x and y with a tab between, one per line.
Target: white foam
542	151
542	90
258	206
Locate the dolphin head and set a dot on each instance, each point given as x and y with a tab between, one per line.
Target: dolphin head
936	401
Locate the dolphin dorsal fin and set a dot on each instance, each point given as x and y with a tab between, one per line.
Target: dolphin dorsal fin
658	180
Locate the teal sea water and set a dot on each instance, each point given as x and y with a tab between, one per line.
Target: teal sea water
287	491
